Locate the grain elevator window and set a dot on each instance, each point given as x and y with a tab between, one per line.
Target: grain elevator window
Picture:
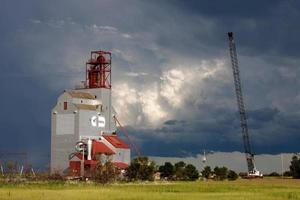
65	105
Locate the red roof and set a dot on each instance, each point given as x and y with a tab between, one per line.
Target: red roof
99	147
116	141
120	165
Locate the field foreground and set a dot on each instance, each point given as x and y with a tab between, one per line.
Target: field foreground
241	189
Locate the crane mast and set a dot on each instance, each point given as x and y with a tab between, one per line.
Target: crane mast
252	171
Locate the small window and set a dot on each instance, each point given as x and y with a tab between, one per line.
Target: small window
65	105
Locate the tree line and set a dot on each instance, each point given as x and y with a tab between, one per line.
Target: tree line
143	169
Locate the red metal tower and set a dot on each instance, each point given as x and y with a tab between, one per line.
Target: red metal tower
98	70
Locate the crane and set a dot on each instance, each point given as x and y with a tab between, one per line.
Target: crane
252	171
132	144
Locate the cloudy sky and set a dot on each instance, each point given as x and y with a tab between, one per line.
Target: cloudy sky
172	79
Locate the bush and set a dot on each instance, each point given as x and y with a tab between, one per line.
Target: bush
191	172
221	173
180	171
273	174
106	173
232	175
206	172
287	173
56	176
295	167
141	168
167	170
243	174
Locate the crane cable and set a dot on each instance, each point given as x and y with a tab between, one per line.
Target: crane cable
127	136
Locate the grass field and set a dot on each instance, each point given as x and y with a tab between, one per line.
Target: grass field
241	189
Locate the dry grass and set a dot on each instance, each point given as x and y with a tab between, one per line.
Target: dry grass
268	188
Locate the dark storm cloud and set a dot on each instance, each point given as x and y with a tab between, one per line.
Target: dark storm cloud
252	21
171	71
231	9
270	132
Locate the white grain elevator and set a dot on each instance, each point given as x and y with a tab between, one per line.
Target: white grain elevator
83	124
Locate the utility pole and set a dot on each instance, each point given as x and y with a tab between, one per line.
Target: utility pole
281	157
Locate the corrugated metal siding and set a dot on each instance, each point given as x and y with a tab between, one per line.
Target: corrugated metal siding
85	127
62	142
65	124
62	147
68	126
104	96
84	95
86	107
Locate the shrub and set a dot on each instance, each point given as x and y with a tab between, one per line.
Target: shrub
56	176
167	170
221	173
191	172
180	170
141	168
273	174
243	174
287	173
105	173
295	167
232	175
206	172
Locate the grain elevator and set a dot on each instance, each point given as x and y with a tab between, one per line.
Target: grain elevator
83	123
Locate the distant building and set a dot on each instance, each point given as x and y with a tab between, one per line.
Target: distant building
83	126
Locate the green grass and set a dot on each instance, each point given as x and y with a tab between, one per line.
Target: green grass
265	189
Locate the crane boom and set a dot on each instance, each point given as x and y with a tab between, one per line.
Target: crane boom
127	136
241	107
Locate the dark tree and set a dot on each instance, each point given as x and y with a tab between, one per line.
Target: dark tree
221	173
206	172
167	170
287	173
295	167
180	171
232	175
141	168
191	172
273	174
